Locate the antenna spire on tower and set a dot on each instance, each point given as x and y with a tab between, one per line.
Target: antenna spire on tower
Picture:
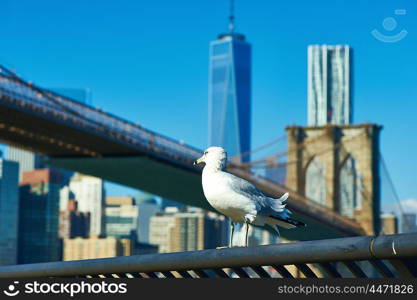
232	17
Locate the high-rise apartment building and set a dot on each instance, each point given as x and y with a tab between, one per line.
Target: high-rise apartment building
72	222
147	208
230	93
127	218
38	216
175	231
121	217
89	193
329	85
9	211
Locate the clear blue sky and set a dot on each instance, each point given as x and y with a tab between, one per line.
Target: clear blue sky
147	61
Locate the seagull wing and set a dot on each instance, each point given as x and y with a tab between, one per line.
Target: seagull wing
273	209
242	186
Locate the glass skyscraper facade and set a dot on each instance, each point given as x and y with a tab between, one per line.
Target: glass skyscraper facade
39	216
9	211
230	94
329	85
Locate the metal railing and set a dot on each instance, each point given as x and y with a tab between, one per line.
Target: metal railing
365	256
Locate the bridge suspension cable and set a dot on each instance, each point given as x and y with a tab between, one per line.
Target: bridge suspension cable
387	175
265	162
257	149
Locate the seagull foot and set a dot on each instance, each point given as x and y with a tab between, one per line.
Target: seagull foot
222	247
228	247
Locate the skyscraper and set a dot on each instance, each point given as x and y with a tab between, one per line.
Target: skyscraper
121	217
38	216
329	85
73	223
89	192
9	211
230	92
148	207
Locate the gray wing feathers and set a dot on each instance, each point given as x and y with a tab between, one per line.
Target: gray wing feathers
265	205
242	186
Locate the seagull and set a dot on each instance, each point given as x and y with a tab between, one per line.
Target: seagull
239	199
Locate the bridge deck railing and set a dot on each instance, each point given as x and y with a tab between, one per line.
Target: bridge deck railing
364	256
30	97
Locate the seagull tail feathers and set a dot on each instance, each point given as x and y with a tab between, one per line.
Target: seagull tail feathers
281	215
279	204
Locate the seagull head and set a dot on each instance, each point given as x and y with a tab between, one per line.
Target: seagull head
213	157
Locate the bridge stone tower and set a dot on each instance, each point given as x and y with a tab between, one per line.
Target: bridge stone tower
338	166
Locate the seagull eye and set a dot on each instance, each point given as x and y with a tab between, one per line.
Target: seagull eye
205	153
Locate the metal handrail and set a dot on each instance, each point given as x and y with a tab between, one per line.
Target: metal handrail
400	250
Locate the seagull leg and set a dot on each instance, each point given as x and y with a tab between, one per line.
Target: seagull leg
232	230
247	231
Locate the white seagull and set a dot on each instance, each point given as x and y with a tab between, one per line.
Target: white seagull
240	200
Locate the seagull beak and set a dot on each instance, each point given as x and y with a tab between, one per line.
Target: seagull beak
198	161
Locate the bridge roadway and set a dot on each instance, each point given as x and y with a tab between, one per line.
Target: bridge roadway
85	139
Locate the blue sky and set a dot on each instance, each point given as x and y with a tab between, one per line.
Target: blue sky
147	61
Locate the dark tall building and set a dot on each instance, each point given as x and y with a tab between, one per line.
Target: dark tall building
38	216
230	93
72	222
9	211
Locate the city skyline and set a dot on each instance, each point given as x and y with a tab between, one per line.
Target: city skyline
279	80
